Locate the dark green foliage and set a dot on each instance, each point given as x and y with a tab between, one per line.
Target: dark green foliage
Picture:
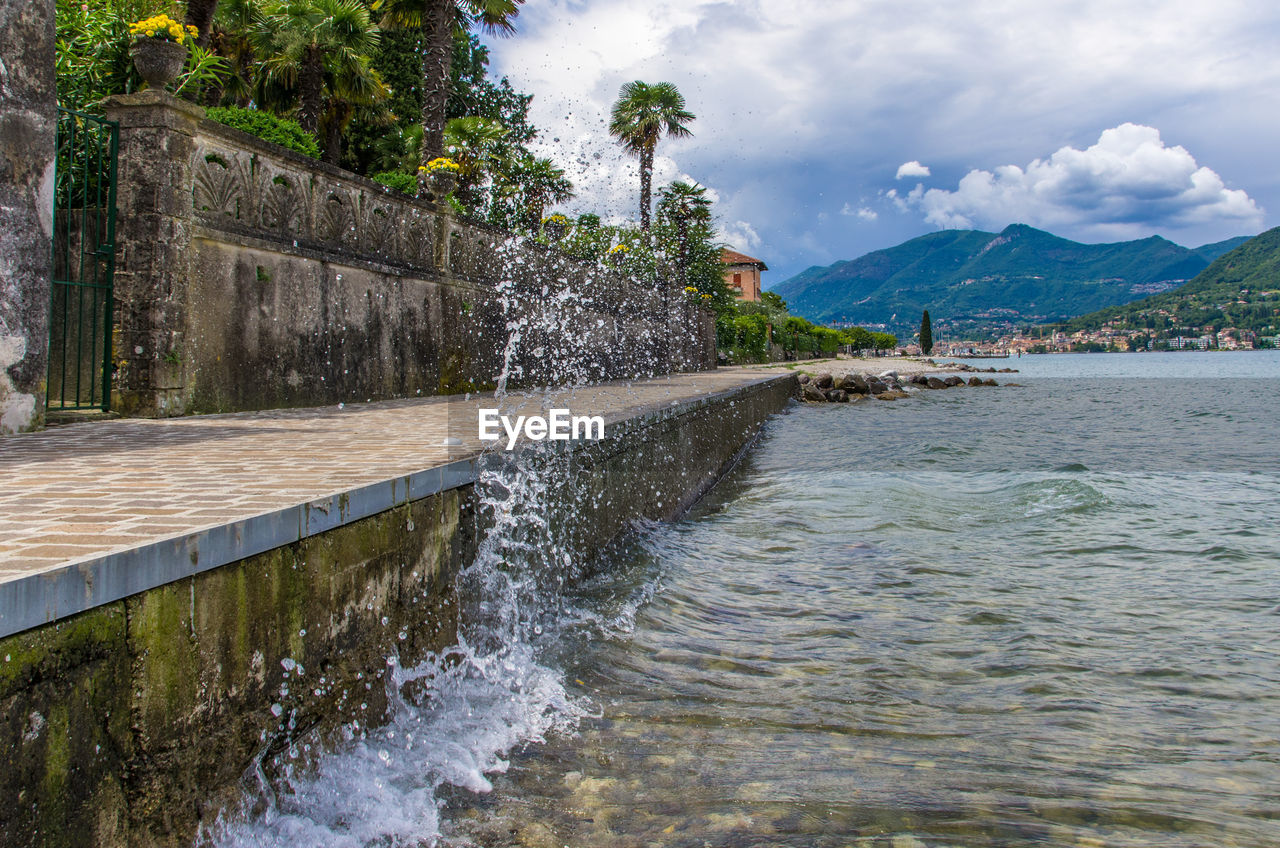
1240	289
1210	252
926	334
401	182
1022	275
372	146
268	127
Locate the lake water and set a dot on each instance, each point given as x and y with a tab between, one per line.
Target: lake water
1044	615
1036	615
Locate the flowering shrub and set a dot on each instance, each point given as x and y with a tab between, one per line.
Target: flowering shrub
164	28
441	164
556	219
618	251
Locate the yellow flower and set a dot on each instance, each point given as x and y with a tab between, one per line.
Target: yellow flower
150	33
443	163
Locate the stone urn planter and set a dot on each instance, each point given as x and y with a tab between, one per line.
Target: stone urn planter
555	230
442	182
158	61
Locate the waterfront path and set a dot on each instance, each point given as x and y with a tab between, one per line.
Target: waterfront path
93	512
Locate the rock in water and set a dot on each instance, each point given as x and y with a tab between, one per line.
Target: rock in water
855	383
837	396
953	380
825	381
804	378
935	383
812	393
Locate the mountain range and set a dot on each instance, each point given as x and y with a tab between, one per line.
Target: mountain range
972	280
1239	289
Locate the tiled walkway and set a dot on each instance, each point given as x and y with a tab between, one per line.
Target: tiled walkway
77	493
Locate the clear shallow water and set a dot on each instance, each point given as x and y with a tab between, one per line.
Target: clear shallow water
1042	615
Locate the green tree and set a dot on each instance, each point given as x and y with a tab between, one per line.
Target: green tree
313	49
353	87
200	14
684	206
641	115
884	341
479	146
438	21
926	334
524	187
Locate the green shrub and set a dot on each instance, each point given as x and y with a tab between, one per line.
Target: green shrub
268	127
398	180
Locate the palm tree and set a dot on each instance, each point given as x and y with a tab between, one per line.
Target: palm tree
200	15
477	145
529	184
641	115
683	204
437	20
234	31
311	49
352	87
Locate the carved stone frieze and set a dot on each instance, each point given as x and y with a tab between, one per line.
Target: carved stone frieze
278	200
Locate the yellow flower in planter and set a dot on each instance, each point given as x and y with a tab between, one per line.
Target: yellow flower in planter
441	163
162	27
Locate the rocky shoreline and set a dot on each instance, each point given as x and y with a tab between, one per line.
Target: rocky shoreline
854	383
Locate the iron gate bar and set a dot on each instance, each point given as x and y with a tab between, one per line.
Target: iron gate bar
85	173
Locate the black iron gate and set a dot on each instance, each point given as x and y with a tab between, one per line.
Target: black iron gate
84	224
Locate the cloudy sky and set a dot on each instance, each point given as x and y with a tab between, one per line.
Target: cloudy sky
826	130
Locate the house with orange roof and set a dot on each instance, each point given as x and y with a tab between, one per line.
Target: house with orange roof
742	274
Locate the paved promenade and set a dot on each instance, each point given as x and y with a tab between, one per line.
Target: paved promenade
114	499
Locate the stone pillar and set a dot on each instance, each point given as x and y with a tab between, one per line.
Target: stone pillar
153	240
28	119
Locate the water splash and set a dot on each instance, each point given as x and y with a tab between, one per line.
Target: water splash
453	718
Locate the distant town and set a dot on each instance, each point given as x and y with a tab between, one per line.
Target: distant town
1106	339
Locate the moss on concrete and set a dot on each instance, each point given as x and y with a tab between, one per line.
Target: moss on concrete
134	722
64	725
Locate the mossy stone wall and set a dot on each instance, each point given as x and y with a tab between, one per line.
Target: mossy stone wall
131	723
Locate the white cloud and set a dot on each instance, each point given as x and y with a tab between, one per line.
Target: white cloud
912	169
954	85
1127	182
740	235
866	213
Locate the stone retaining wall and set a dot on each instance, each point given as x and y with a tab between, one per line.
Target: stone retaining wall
131	723
251	277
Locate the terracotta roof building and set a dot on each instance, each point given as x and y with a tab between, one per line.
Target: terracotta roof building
742	274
